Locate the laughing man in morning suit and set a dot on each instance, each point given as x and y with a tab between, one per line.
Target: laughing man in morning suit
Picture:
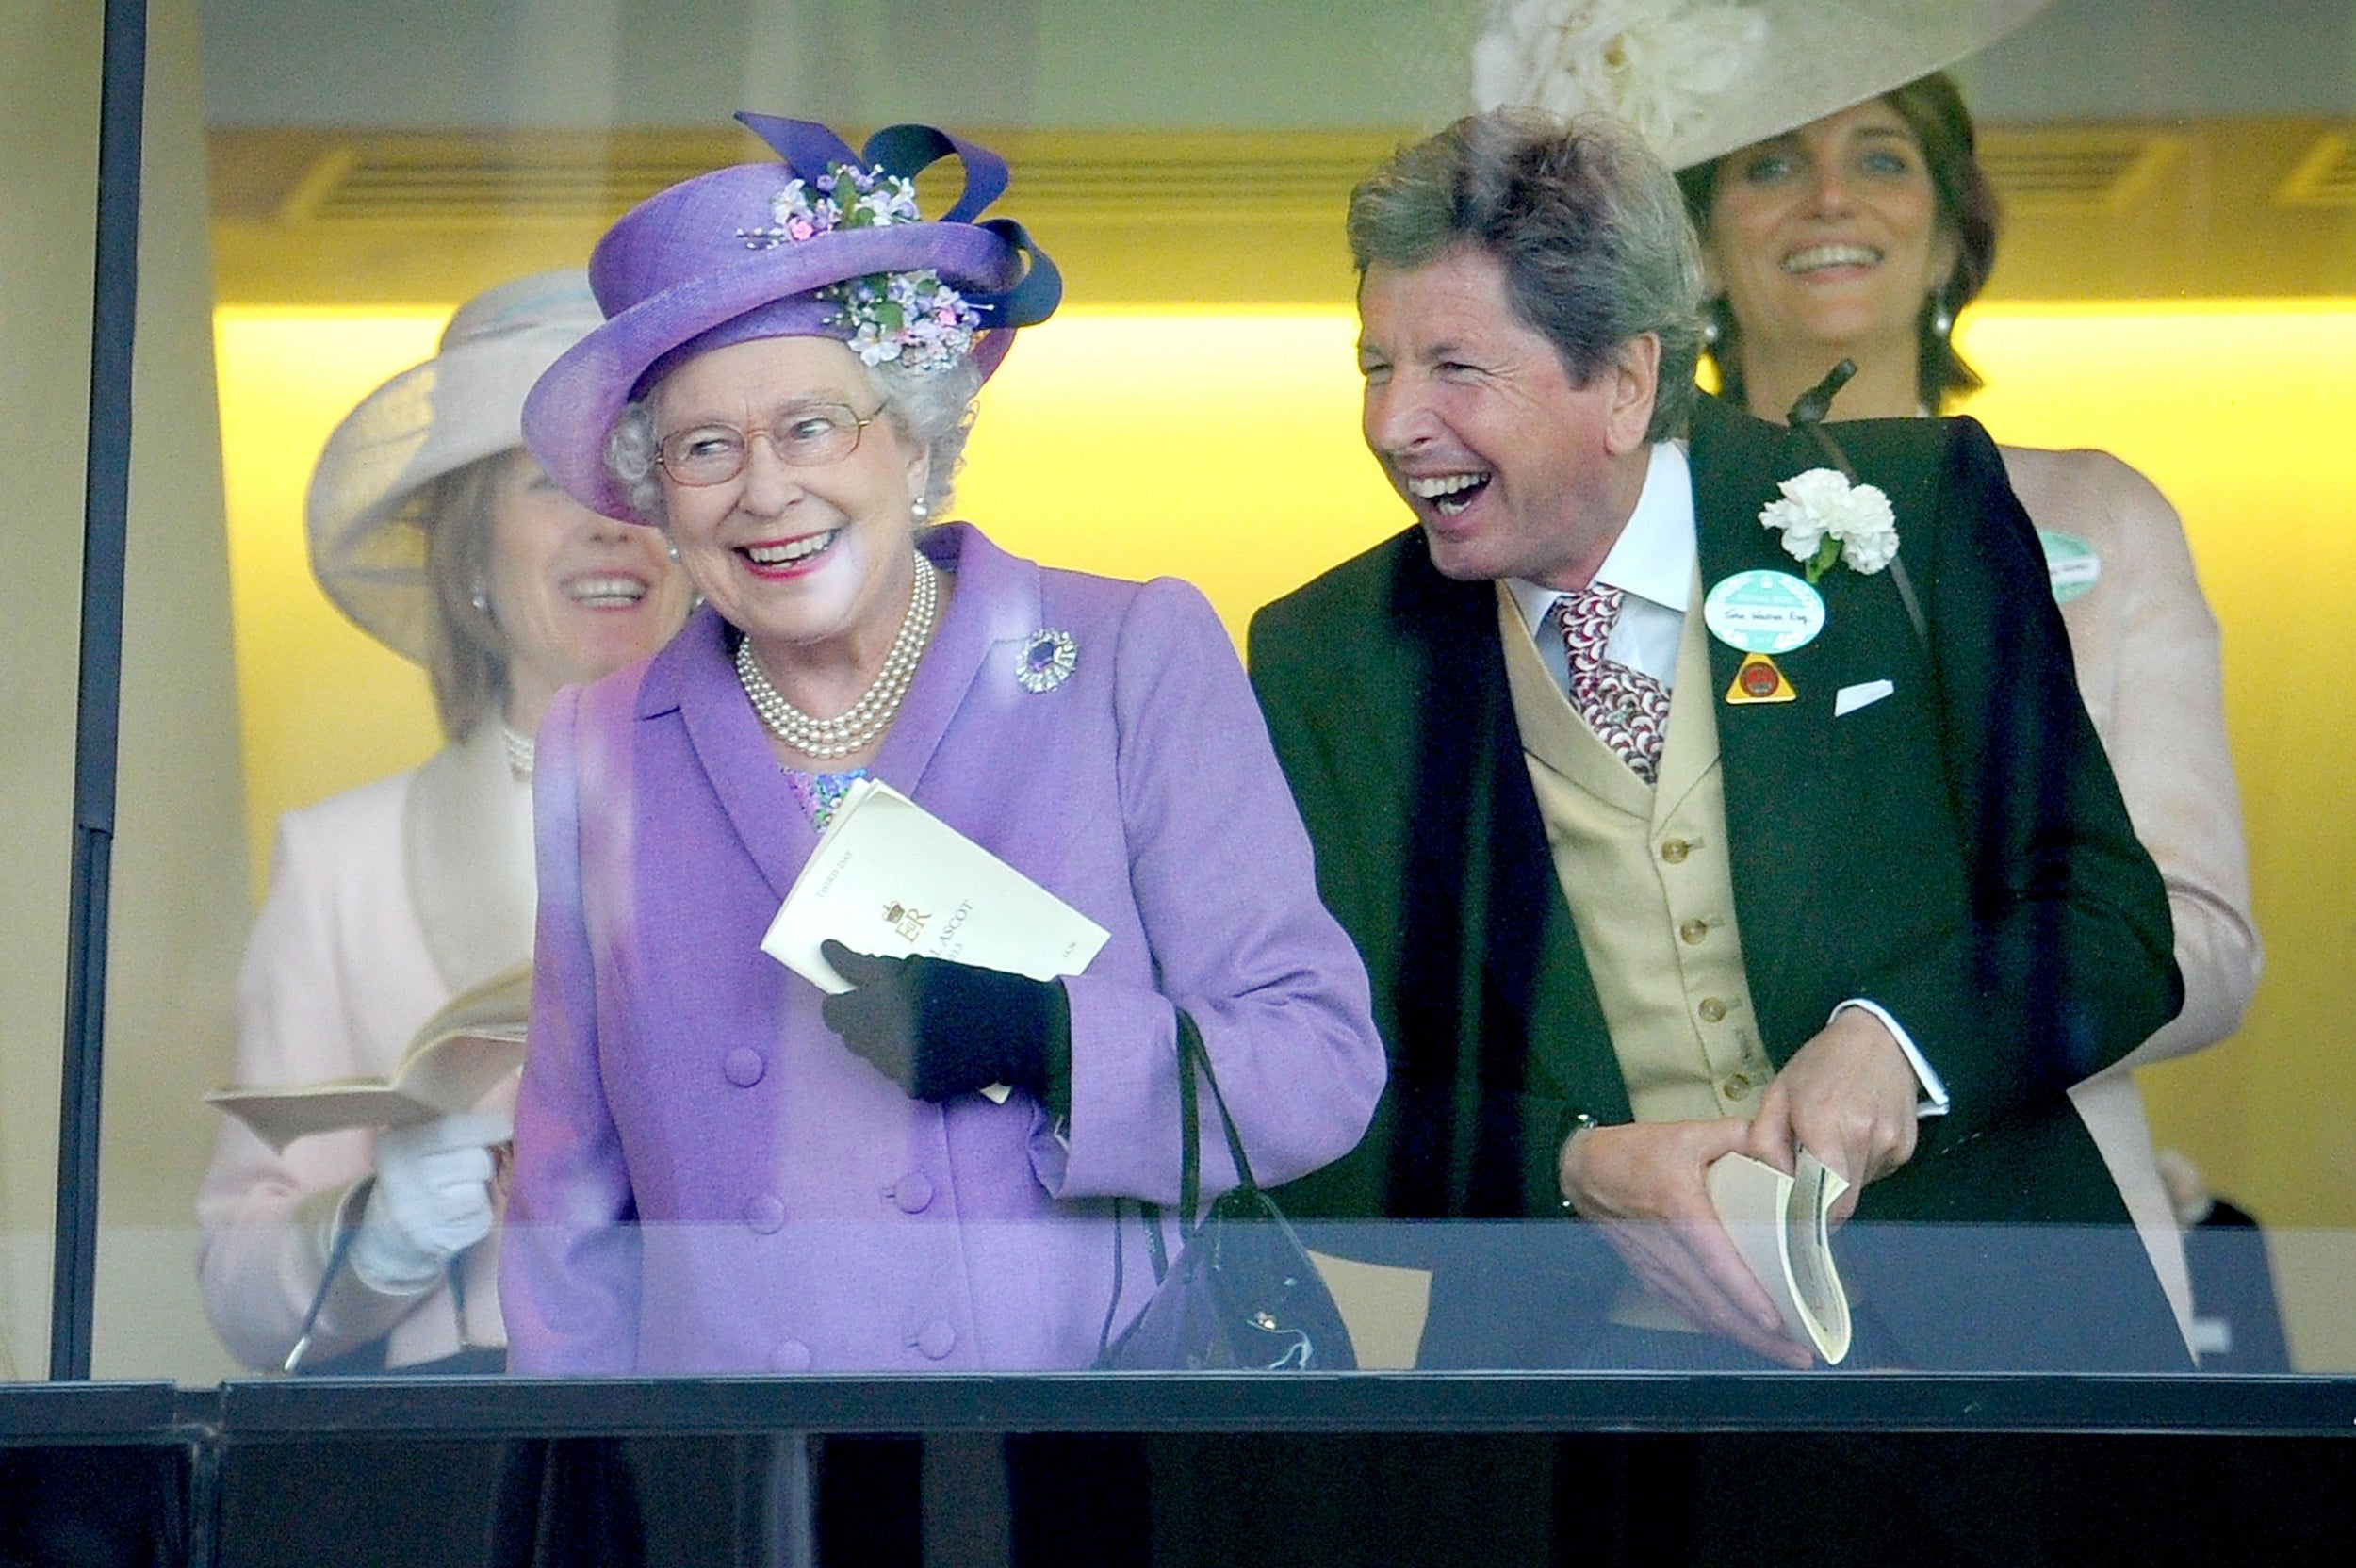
1641	885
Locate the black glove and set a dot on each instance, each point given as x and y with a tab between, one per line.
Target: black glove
940	1029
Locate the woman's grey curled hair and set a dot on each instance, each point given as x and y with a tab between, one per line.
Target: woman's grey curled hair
1589	225
933	409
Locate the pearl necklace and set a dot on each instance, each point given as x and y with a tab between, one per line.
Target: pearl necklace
521	752
856	729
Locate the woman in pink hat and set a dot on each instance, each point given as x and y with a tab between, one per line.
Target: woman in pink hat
718	1168
433	529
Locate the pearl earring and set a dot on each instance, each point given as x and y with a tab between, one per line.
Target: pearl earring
1714	322
1942	317
670	548
919	509
481	598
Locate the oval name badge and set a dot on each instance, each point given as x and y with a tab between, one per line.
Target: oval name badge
1763	612
2071	564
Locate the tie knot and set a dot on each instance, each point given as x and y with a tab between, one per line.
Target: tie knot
1627	710
1586	619
1595	605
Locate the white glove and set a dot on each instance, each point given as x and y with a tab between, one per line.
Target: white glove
432	1199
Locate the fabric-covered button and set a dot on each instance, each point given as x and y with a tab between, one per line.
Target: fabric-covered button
744	1067
789	1356
912	1192
1711	1009
1693	931
1675	851
764	1213
936	1339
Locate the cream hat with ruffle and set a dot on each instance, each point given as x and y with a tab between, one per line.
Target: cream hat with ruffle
1702	78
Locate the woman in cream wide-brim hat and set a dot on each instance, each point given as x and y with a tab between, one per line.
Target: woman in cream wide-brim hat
433	529
1830	168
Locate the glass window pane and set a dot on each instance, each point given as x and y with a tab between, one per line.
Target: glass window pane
2174	256
48	113
179	870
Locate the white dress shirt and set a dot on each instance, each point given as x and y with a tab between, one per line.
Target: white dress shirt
1653	565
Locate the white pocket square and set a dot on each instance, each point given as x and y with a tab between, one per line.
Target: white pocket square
1850	698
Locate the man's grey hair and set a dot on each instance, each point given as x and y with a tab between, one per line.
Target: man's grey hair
933	409
1589	225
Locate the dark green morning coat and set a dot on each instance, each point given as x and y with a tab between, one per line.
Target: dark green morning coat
1956	851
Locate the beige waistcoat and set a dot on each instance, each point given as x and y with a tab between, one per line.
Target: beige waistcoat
1649	885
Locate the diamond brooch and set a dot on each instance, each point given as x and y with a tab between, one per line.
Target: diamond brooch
1047	660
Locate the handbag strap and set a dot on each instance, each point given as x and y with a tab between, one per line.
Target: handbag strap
1191	1055
1157	1253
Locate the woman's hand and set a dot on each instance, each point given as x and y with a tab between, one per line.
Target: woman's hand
432	1201
941	1029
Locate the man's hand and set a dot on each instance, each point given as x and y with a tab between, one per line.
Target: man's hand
1644	1185
1848	1096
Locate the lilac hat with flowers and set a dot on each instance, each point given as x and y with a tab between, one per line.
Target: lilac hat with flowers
825	243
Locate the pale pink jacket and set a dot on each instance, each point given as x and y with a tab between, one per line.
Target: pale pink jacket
384	902
2146	651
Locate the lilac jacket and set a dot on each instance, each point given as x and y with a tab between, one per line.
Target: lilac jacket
793	1209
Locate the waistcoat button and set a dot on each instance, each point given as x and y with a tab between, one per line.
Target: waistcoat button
765	1214
744	1067
937	1339
1711	1009
1693	931
789	1356
1675	851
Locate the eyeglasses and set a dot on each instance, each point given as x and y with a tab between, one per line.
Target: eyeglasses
806	435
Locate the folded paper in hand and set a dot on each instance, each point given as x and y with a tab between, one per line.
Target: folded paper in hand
1780	1225
892	879
459	1055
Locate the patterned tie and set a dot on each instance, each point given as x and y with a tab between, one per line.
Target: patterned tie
1627	710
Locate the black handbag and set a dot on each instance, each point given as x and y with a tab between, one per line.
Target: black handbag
1243	1295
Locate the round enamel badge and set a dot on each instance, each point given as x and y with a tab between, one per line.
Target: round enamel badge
2071	564
1763	612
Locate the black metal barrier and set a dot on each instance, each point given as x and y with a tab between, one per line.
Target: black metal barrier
96	1475
1332	1402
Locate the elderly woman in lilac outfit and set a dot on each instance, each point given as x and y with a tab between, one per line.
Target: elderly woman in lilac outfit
717	1166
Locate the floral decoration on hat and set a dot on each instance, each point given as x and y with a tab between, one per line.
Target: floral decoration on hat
1657	64
1824	518
910	317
